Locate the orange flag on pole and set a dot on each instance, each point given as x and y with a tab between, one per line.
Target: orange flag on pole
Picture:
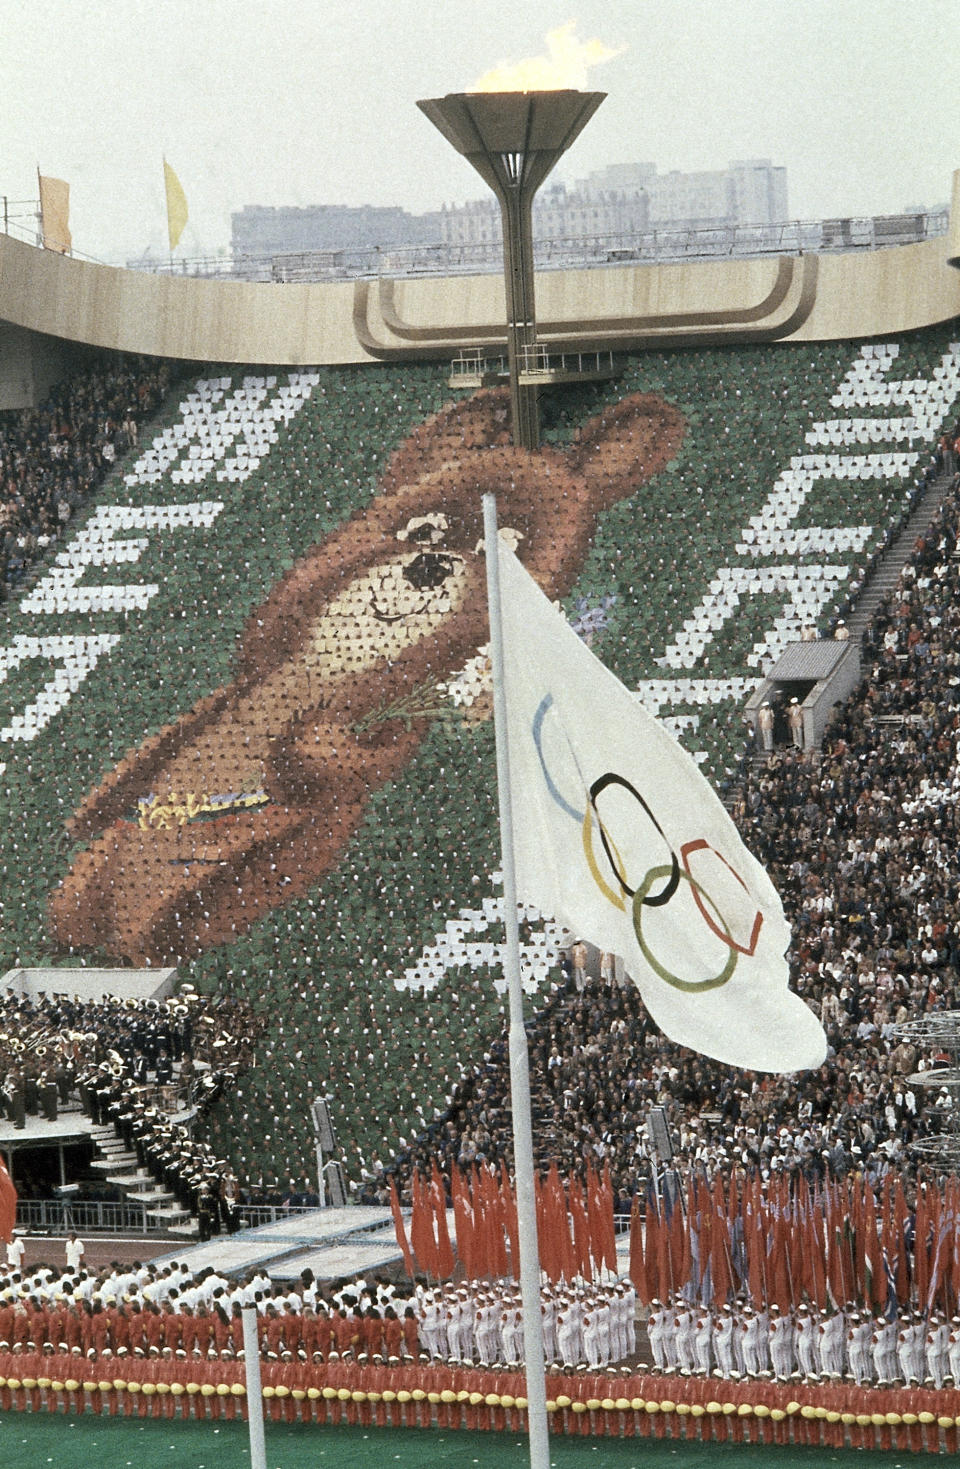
55	214
463	1218
638	1264
438	1199
8	1204
581	1229
401	1232
422	1237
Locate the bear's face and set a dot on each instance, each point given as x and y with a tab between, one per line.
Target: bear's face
426	571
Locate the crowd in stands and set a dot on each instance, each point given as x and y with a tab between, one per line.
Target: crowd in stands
54	457
860	839
609	1063
747	411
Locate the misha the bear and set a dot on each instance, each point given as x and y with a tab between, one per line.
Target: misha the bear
249	799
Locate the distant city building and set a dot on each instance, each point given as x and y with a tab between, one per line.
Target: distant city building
622	199
261	230
629	198
752	191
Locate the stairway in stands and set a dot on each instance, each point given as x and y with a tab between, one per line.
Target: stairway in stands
883	577
880	582
121	1169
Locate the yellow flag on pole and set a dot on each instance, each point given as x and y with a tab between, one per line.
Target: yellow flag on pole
55	214
176	205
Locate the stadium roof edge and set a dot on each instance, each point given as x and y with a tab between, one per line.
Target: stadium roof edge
805	298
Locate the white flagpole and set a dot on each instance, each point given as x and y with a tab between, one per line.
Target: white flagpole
519	1060
251	1362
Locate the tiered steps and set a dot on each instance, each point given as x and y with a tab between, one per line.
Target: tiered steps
122	1169
886	574
189	1230
132	1183
170	1216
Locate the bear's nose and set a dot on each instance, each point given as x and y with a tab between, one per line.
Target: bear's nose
428	569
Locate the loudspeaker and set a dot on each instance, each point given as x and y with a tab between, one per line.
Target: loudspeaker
658	1134
336	1187
323	1126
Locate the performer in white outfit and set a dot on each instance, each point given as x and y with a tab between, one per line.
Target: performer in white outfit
703	1341
656	1327
906	1356
602	1316
750	1341
568	1335
430	1322
670	1336
781	1343
953	1350
723	1342
937	1345
859	1356
806	1342
683	1329
629	1316
591	1338
833	1334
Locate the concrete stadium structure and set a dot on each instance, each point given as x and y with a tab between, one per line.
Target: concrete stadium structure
49	302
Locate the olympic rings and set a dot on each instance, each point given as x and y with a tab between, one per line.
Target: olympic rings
700	845
614	884
543	709
597	789
688	986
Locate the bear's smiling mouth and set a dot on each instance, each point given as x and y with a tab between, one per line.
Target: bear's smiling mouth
428	571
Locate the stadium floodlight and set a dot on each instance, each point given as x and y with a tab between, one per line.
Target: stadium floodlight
513	140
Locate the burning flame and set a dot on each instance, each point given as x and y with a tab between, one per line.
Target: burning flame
565	65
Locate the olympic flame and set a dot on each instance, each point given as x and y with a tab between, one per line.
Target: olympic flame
565	65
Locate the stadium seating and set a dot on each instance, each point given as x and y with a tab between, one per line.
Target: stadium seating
289	456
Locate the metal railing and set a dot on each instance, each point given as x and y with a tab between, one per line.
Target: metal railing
86	1216
543	361
93	1217
660	245
21	217
253	1215
90	1216
474	362
535	360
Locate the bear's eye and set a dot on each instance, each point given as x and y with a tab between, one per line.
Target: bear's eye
422	534
429	569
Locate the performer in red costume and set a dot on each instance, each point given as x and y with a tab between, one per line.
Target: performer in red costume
203	1340
392	1335
6	1325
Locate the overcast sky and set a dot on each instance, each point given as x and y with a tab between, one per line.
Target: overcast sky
313	102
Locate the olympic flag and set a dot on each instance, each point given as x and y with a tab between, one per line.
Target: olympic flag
617	834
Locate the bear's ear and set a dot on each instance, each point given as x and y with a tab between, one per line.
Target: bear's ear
625	445
478	422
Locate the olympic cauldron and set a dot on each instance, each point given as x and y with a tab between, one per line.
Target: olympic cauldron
513	140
